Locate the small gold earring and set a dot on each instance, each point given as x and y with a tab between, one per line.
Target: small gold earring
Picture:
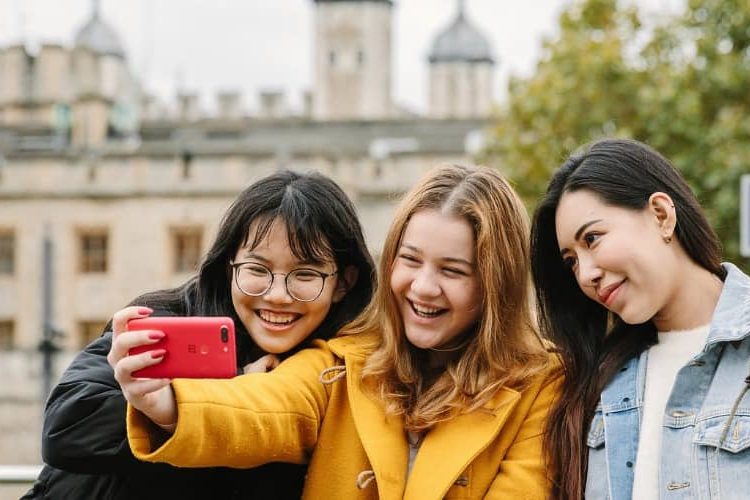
667	239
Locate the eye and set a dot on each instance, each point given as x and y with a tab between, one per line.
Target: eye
305	274
254	269
570	262
591	238
453	271
408	259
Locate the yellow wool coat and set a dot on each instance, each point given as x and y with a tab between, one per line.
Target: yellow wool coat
311	408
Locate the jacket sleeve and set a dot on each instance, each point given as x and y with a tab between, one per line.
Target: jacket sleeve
242	422
523	473
83	428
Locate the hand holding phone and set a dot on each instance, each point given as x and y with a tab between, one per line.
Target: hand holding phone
196	346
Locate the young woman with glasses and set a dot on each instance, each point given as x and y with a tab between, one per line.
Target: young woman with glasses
289	264
440	389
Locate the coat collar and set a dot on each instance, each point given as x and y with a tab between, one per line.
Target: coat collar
445	452
451	446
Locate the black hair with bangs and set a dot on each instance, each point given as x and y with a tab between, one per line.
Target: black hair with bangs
321	224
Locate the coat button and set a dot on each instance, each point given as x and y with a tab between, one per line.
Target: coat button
629	463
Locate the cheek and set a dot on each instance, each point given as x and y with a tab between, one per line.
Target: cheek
241	302
323	303
467	298
399	279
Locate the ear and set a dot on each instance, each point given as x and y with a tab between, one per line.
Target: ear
662	207
346	281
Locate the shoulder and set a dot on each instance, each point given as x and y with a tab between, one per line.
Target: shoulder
358	344
546	383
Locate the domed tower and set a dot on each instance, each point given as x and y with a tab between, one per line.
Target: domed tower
461	71
103	89
352	59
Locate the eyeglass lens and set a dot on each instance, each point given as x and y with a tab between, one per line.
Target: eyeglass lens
301	284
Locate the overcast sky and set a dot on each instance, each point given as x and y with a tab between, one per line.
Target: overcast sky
206	46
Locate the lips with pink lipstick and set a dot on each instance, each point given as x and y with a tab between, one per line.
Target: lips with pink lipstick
609	293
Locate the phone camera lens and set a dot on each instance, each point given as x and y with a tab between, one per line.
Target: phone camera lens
224	334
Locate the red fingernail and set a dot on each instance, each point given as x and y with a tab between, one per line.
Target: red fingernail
145	310
156	335
158	353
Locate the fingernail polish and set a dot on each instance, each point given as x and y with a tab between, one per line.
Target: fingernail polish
158	353
145	310
156	335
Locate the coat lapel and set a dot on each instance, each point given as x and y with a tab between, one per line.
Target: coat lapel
452	445
382	437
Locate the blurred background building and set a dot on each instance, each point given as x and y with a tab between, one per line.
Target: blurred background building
107	192
129	189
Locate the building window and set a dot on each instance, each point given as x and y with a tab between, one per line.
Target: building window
7	253
360	58
186	161
6	335
90	331
332	58
94	252
187	249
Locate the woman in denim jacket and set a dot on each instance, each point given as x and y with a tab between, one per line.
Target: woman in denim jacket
653	330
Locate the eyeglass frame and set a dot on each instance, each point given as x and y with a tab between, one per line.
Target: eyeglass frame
235	272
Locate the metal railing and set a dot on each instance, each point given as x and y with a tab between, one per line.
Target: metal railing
19	474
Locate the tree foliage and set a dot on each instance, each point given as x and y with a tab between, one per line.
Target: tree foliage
680	84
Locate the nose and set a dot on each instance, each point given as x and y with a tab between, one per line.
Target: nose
278	293
425	283
589	273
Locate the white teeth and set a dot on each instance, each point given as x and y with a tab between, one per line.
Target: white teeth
281	319
425	311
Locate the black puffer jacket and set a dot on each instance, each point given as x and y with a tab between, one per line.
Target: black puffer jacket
85	449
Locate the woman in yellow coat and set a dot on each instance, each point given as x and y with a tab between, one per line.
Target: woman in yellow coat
441	389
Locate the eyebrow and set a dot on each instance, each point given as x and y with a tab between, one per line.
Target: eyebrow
580	231
584	227
252	255
457	260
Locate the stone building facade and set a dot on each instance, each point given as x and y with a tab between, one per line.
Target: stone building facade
128	197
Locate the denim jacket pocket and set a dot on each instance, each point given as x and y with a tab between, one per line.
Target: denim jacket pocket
595	438
709	432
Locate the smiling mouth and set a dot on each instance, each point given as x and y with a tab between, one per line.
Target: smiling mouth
609	293
425	311
275	318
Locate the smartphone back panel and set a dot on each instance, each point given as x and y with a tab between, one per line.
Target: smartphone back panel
197	347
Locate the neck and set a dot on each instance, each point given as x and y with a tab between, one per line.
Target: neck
693	302
441	355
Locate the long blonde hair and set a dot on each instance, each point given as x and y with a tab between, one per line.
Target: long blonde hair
504	350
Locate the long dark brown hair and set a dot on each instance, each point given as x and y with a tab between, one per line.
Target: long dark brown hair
593	343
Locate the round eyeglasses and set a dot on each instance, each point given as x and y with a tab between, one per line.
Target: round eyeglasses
303	284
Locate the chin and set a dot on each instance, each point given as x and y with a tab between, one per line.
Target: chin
276	349
420	343
635	319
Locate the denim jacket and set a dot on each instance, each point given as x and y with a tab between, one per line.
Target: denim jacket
706	427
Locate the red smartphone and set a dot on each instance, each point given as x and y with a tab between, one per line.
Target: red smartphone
197	347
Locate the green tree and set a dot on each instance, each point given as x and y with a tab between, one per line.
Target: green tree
680	84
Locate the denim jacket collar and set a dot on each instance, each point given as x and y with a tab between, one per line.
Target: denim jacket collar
617	421
731	318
